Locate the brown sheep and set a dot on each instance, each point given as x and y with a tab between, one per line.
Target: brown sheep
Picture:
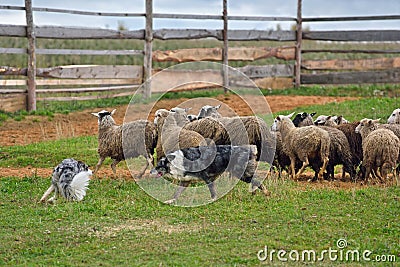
120	142
173	137
304	143
380	149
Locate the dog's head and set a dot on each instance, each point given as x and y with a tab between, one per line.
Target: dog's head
163	167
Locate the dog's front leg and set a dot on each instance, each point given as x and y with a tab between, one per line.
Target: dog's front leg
211	187
182	186
47	193
53	199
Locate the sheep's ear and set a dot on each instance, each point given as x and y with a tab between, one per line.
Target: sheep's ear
376	121
313	114
278	118
112	112
290	115
217	107
95	114
328	118
187	109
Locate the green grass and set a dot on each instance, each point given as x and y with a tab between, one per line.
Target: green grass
119	224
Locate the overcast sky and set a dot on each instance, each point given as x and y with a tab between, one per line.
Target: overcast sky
311	8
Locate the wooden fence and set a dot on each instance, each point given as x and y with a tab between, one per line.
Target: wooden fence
122	80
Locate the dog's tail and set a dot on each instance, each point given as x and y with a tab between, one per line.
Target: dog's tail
78	186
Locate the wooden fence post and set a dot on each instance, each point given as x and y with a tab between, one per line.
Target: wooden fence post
225	68
299	37
31	71
148	48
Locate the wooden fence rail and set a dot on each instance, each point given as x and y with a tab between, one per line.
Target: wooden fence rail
122	80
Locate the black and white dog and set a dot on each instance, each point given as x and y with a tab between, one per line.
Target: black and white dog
206	163
70	179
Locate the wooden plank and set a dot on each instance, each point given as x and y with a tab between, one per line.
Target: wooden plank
87	52
56	32
148	50
87	13
53	82
81	98
261	18
354	36
41	51
167	34
258	35
10	50
352	51
31	71
215	54
13	91
351	18
357	64
12	30
388	76
12	83
299	35
13	102
87	90
225	49
92	71
279	70
6	70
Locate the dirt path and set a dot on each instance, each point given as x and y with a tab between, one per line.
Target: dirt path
37	128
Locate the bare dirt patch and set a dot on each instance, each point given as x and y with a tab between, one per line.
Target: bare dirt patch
36	128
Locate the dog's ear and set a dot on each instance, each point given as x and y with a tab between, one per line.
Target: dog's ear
170	157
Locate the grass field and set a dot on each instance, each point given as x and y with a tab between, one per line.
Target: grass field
118	224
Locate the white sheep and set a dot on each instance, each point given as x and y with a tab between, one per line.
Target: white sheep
394	118
304	143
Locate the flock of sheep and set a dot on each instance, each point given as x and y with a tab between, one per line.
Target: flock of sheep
363	148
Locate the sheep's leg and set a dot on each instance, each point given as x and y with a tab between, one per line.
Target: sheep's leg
101	159
113	167
257	184
367	173
47	193
323	168
292	168
182	186
305	164
213	192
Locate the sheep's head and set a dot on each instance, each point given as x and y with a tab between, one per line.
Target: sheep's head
303	119
209	111
105	117
366	126
160	113
394	118
276	126
321	119
340	120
